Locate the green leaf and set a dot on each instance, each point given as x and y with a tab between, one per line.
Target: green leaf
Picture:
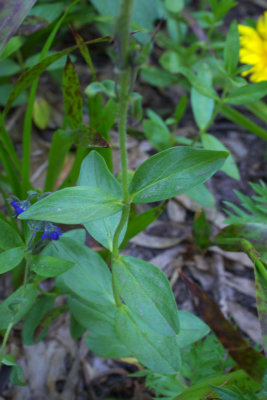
31	74
174	171
230	238
107	87
156	76
9	237
50	11
9	259
16	376
202	106
50	267
16	372
94	172
13	45
201	231
261	298
174	6
58	150
34	318
41	113
198	84
16	306
238	118
192	329
171	61
180	109
147	292
201	195
159	135
247	94
72	95
90	278
231	49
203	389
103	339
157	352
74	205
210	142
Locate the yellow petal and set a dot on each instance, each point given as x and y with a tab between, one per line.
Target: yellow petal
262	26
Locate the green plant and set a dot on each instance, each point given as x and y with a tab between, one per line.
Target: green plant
126	303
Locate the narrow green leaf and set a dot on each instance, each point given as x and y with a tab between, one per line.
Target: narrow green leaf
159	135
198	84
31	74
201	231
50	267
72	95
58	150
261	298
174	171
157	352
231	49
147	292
247	94
246	123
202	105
210	142
259	108
74	205
9	237
10	258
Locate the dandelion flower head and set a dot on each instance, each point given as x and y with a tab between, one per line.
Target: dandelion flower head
253	49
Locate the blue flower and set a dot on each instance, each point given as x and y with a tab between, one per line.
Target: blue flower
19	207
52	232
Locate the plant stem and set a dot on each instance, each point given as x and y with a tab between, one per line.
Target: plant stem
11	323
7	333
122	36
123	28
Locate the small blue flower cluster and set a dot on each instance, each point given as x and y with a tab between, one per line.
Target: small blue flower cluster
19	207
50	231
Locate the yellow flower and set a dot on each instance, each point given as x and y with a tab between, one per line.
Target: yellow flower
253	49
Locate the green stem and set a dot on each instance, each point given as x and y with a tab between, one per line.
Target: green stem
11	323
122	35
125	80
7	333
